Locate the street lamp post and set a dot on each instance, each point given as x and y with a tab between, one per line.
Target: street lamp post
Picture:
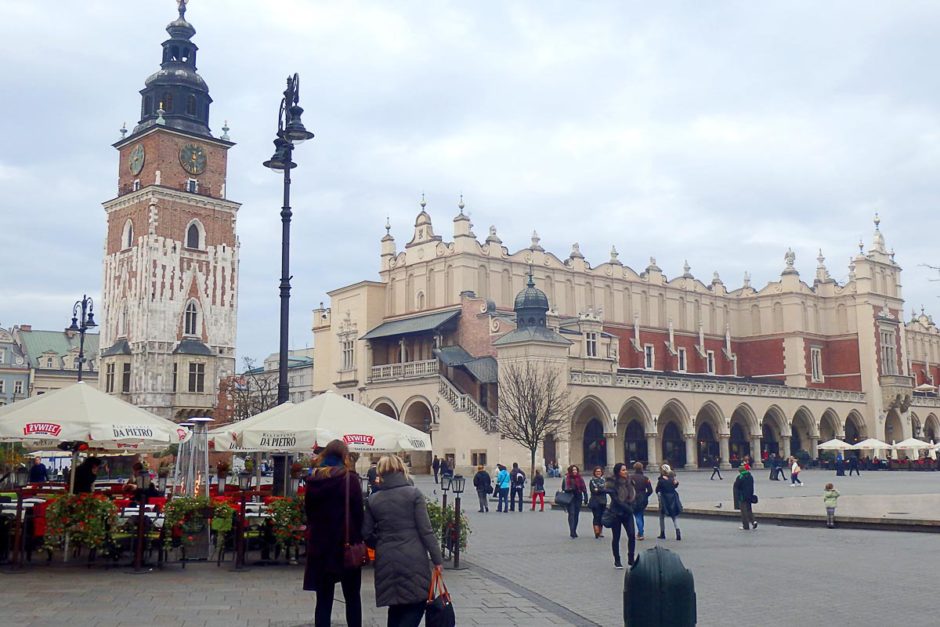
244	485
290	132
457	485
20	479
445	486
83	318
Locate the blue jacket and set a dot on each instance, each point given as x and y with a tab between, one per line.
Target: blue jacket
502	478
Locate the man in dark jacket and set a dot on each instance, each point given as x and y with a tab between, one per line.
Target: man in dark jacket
86	474
372	478
483	485
436	467
853	466
516	486
744	497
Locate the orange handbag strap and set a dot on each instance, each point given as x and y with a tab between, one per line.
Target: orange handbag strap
437	581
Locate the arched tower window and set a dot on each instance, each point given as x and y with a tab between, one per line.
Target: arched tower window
167	102
191	105
148	105
127	238
191	319
194	236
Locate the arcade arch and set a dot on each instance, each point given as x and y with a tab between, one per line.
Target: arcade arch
931	428
385	407
633	423
829	426
773	427
587	433
744	429
672	426
855	430
894	430
417	413
802	431
708	423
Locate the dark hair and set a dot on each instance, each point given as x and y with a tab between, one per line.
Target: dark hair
596	468
336	448
572	467
617	467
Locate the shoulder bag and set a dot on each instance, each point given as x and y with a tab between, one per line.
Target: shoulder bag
562	497
354	555
440	610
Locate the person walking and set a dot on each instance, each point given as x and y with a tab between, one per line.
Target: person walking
331	490
669	503
853	466
445	469
643	489
622	497
840	465
397	526
795	472
574	484
598	500
436	467
502	487
483	485
744	497
538	490
830	497
716	469
38	473
516	486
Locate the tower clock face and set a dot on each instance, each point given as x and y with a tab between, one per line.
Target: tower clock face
136	161
193	158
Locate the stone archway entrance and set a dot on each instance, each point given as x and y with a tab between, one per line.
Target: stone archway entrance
738	445
801	433
634	443
386	410
769	442
418	415
828	426
893	428
673	445
594	445
707	445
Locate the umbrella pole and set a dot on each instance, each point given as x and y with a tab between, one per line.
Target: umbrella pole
258	471
65	557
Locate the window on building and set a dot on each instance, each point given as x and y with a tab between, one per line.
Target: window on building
815	358
191	105
682	360
710	362
197	377
192	186
17	387
167	102
109	379
889	361
3	386
591	344
649	357
349	397
348	349
191	319
478	458
75	361
3	356
135	186
48	362
126	379
193	236
176	371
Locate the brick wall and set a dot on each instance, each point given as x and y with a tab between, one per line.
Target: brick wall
759	357
162	150
840	363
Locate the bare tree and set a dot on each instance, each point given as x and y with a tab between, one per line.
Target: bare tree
533	404
253	391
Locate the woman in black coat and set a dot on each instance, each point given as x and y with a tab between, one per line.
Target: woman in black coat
397	526
669	504
325	503
622	496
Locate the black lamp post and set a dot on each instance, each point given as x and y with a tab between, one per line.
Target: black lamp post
244	486
83	318
457	485
290	131
20	479
445	486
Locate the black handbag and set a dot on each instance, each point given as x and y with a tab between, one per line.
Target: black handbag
564	498
753	499
609	518
354	555
440	610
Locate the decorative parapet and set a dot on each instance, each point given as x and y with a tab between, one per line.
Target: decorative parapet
925	401
708	385
407	370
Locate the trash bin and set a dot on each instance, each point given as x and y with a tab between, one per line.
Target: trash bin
658	591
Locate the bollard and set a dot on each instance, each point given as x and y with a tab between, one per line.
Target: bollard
658	591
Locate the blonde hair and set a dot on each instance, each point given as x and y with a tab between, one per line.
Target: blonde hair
391	463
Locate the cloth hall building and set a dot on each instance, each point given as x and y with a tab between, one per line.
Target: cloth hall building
658	368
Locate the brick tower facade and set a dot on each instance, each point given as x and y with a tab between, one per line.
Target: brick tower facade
170	295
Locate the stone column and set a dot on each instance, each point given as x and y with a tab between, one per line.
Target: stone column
813	451
724	451
755	452
401	351
612	450
785	446
652	450
691	459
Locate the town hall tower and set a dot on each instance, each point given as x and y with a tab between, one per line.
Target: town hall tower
170	295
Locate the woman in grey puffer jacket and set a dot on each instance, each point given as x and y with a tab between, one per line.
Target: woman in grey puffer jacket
397	526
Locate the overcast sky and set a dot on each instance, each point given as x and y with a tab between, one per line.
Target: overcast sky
718	132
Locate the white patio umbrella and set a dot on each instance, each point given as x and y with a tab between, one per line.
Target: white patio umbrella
304	426
870	444
894	450
835	444
913	444
932	451
82	413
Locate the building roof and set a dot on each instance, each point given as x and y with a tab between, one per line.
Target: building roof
189	346
484	369
532	334
121	347
37	343
452	355
415	324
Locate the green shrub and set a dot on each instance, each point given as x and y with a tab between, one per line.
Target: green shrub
439	520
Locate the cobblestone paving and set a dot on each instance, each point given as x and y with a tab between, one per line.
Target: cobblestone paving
524	570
